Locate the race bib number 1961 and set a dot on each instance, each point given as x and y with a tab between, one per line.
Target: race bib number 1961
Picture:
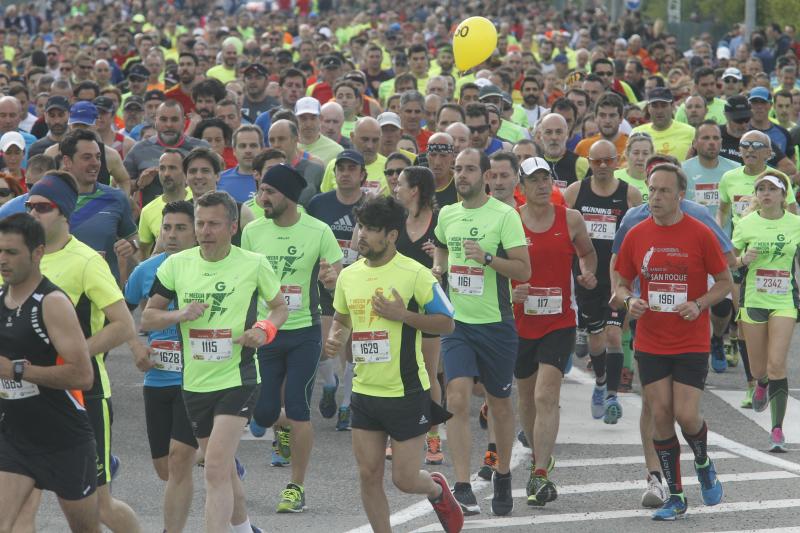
211	344
665	297
371	347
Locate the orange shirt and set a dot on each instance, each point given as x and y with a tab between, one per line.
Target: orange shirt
582	149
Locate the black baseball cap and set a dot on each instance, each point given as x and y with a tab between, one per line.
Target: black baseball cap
738	107
154	94
331	62
134	101
660	94
104	103
139	71
351	155
256	68
57	102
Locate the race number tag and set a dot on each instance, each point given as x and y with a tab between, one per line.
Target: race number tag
17	390
466	280
706	194
211	344
293	296
167	355
561	184
350	255
543	301
371	347
371	187
665	297
772	281
601	227
741	204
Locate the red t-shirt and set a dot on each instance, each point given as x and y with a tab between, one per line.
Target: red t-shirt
422	139
672	264
175	93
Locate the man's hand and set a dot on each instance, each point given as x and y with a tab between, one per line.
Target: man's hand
123	248
587	281
394	309
333	345
146	177
428	247
141	356
327	274
688	310
637	307
437	273
252	338
473	250
750	255
193	311
520	293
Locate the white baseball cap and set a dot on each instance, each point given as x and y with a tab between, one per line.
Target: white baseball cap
12	138
532	164
388	118
732	72
773	180
306	105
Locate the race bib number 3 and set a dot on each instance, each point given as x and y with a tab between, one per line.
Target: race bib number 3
167	355
293	296
601	227
350	255
665	297
211	344
543	301
371	347
772	281
706	194
466	280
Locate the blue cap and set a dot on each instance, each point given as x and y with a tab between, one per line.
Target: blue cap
351	155
760	93
561	58
83	113
395	26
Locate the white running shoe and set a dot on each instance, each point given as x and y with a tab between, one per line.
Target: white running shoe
655	495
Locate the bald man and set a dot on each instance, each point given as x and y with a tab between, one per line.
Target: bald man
603	200
567	167
331	120
460	134
283	136
366	138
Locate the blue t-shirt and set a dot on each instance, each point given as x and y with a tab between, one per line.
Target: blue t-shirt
241	186
264	121
136	290
15	205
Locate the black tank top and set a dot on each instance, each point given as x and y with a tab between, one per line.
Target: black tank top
564	171
603	215
103	175
50	419
413	249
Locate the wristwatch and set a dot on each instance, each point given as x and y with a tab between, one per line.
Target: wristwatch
19	369
487	258
627	302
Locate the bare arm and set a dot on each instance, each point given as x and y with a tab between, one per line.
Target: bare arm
119	330
723	212
156	316
571	194
634	197
338	334
516	266
246	216
440	260
581	241
396	311
278	311
117	170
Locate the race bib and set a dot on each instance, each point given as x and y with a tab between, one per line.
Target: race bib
17	390
706	194
601	227
167	355
741	204
211	344
371	347
561	184
350	255
665	297
293	296
466	280
772	281
371	187
543	301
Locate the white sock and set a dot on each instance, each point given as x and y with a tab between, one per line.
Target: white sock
327	371
347	385
244	527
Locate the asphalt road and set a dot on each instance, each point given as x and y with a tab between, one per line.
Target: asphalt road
599	471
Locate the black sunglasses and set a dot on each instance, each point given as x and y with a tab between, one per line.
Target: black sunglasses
392	171
755	145
479	129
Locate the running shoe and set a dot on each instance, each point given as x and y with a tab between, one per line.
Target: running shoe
760	398
613	410
256	429
343	421
255	529
551	464
433	450
523	439
483	416
718	361
283	436
113	465
277	459
599	401
293	499
710	487
747	403
489	464
541	491
655	495
581	343
731	353
673	508
446	507
626	381
241	471
466	500
777	441
327	404
502	499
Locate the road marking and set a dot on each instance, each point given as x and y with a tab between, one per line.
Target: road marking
791	423
751	453
642	484
630	460
732	507
792	529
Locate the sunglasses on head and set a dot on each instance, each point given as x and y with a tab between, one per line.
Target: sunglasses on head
479	129
6	192
392	171
755	145
40	207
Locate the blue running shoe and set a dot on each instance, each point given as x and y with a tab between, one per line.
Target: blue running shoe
114	464
241	471
599	401
710	487
613	410
343	422
277	459
256	429
673	508
718	360
327	404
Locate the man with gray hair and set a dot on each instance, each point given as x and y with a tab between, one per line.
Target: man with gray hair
412	107
283	135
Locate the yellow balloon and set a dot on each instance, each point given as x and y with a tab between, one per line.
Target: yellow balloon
474	41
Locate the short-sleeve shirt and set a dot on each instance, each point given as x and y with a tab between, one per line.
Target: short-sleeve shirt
496	227
770	281
375	181
673	263
622	175
240	186
294	252
151	217
338	216
232	288
737	188
404	371
675	140
86	278
702	184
